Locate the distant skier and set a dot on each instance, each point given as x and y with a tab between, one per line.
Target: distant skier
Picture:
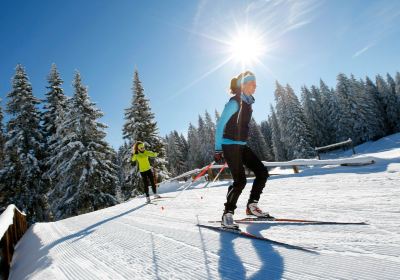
230	144
142	157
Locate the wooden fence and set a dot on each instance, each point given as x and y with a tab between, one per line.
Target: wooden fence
13	225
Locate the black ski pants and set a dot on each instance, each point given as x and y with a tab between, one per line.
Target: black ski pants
148	176
236	156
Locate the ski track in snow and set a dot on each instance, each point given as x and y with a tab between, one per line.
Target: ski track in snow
138	241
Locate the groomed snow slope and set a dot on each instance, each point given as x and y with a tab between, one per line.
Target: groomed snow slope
138	241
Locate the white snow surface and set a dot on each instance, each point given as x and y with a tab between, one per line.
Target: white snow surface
135	240
6	218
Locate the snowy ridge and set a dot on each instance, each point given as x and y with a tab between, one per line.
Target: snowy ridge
135	240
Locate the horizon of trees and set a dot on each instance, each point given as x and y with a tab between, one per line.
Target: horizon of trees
55	162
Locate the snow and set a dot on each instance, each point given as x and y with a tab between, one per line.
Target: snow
6	218
135	240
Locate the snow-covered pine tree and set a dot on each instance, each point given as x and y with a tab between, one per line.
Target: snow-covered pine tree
127	173
217	116
374	127
53	113
277	145
398	84
283	119
331	112
55	105
362	124
350	122
383	97
296	130
174	154
2	141
141	126
194	152
393	105
257	142
206	134
201	133
266	131
2	137
373	96
87	175
22	172
312	105
182	147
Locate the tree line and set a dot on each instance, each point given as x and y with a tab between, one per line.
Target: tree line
55	162
362	110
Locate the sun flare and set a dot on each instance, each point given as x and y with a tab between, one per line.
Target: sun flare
246	47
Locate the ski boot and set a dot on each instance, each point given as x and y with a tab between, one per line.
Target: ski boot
253	210
148	199
228	222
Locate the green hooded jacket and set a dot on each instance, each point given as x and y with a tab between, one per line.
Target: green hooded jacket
143	159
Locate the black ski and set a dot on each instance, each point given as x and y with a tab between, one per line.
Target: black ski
314	222
252	236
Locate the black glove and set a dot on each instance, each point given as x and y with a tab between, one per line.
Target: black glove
218	156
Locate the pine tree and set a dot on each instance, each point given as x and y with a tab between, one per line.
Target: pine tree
383	97
368	100
398	84
377	113
206	134
54	112
2	142
174	154
141	126
257	142
184	147
87	175
266	131
276	138
194	153
22	172
296	130
128	173
331	112
183	150
55	105
349	122
217	116
2	138
312	115
393	105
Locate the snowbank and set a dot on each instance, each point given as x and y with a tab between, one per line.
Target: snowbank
6	218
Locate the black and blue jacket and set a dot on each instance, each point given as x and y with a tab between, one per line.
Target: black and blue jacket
233	125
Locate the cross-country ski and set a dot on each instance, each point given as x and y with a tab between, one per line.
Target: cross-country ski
246	234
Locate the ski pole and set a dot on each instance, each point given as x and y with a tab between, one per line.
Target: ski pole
204	170
216	177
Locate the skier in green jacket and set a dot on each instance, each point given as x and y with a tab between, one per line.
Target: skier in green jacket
142	157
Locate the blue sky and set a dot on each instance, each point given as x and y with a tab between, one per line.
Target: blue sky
179	48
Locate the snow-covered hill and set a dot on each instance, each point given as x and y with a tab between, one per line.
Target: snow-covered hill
161	241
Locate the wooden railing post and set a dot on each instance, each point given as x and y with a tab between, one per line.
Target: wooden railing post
10	237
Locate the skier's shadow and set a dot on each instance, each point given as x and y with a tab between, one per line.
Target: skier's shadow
272	265
231	265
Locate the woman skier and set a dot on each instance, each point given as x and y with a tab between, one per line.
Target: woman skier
142	157
230	144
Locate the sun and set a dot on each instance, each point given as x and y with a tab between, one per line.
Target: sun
246	47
